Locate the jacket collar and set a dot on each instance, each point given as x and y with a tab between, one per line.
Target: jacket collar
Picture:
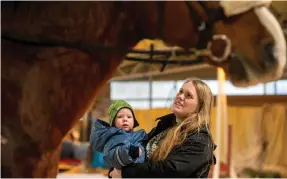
170	120
167	119
170	116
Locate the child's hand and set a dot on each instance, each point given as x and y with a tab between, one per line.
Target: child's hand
140	151
135	151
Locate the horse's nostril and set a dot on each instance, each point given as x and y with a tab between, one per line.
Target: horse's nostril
268	54
236	69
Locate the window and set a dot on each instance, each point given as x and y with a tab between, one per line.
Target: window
213	85
130	90
281	87
139	104
162	103
270	88
163	89
253	90
162	93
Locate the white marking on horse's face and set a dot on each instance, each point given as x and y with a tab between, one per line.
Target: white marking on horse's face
276	71
232	8
273	27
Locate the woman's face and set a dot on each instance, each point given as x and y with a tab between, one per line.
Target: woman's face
186	101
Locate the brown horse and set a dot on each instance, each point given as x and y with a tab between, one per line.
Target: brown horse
57	55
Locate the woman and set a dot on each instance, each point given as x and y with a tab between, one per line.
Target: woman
181	144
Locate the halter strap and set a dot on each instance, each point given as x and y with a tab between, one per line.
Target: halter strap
204	28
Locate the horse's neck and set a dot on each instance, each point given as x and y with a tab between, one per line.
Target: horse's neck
57	86
157	21
99	23
45	92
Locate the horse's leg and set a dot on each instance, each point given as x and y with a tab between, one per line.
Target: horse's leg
44	93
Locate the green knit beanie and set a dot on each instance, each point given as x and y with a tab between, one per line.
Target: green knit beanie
114	109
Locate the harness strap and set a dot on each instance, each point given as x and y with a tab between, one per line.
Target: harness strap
205	29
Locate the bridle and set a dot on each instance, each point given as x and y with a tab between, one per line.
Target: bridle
205	30
204	27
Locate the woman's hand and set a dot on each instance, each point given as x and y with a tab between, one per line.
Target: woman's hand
116	173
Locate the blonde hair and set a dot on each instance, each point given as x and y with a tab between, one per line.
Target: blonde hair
178	134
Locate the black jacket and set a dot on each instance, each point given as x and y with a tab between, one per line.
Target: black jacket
192	159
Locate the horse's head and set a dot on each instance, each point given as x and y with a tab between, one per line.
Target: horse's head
258	47
257	41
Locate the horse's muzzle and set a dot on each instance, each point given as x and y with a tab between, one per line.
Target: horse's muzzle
271	59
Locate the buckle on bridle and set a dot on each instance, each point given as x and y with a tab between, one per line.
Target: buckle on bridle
227	50
202	26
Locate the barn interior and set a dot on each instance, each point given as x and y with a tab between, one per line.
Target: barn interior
249	125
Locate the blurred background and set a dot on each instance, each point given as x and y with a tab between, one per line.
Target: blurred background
249	125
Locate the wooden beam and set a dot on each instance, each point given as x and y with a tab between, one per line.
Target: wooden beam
136	68
255	100
158	73
127	63
121	71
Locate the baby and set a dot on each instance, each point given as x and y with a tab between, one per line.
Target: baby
118	142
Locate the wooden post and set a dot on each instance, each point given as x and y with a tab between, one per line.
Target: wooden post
229	154
221	115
